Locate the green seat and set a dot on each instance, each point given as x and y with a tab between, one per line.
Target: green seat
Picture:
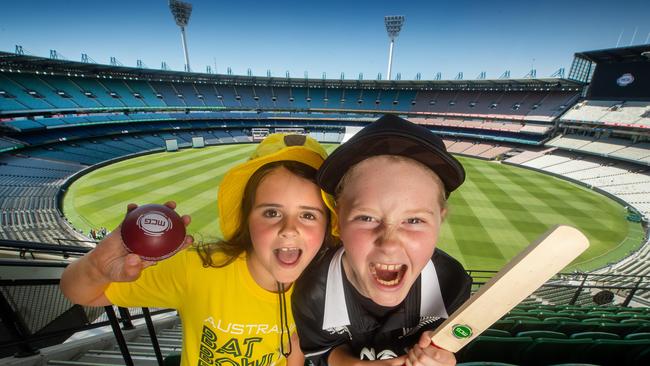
595	335
496	333
618	317
494	349
570	311
611	309
526	325
576	327
637	336
621	329
635	321
515	312
520	317
571	307
503	325
541	334
558	319
598	320
524	307
581	316
599	313
541	314
546	351
632	311
616	352
632	315
574	315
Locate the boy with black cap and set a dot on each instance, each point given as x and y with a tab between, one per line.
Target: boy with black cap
378	296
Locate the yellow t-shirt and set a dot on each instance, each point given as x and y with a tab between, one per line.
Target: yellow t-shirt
227	318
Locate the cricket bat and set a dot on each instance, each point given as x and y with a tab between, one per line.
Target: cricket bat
525	273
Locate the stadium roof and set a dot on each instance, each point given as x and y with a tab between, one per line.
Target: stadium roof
13	62
621	54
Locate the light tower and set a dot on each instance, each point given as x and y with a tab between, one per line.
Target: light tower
181	12
393	26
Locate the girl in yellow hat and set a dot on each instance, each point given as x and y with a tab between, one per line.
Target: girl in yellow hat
230	295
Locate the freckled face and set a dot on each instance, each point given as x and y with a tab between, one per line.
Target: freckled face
390	212
287	226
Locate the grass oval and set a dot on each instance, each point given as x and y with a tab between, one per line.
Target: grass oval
498	211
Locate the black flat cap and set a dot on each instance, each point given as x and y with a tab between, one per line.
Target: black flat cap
392	135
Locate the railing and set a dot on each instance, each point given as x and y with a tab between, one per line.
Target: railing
35	314
626	289
25	247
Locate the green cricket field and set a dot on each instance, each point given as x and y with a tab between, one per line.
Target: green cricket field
498	211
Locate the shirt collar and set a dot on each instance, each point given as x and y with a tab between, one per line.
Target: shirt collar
431	302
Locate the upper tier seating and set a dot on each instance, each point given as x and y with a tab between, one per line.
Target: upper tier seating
534	106
23	91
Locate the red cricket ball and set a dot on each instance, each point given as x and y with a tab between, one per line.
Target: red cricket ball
154	232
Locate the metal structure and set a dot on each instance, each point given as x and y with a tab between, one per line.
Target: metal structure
181	12
559	73
30	64
531	74
393	27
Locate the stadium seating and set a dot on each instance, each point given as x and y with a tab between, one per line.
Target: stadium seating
23	98
554	342
167	93
514	105
52	92
619	179
616	113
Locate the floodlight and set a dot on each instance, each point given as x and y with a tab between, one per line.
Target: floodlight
181	12
393	27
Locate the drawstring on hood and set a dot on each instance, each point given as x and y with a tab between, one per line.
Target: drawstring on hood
284	322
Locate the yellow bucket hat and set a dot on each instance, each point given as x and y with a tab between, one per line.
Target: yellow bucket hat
275	147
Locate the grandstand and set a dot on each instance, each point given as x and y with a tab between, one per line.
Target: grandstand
61	120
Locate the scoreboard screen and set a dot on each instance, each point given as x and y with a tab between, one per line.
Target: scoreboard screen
625	81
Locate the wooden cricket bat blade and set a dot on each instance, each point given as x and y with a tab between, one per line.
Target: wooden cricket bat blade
519	278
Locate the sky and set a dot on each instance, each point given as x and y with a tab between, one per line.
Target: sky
332	36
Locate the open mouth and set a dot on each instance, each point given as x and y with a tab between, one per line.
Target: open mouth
388	274
288	256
